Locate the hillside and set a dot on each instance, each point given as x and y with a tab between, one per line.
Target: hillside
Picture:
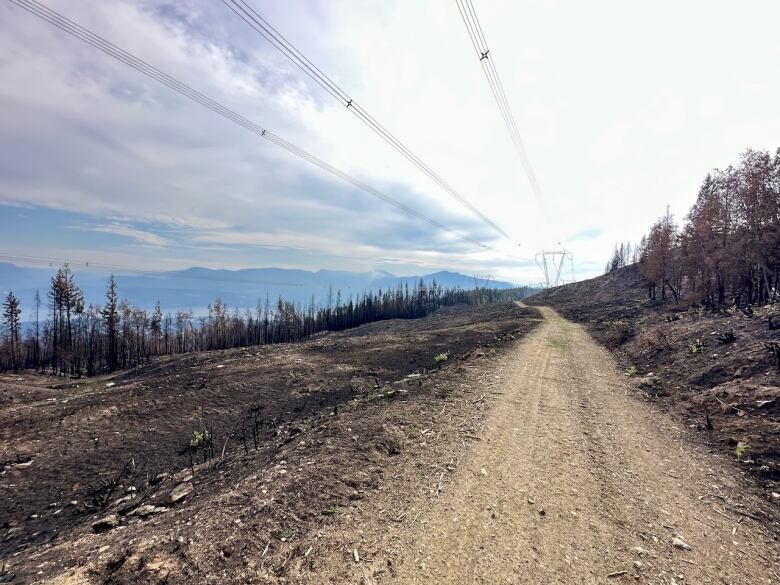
616	294
719	371
348	407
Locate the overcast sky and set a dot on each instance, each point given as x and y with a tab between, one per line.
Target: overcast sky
623	108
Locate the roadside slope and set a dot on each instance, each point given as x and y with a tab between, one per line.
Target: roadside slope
306	435
717	370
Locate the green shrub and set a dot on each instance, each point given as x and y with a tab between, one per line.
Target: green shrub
696	346
332	510
741	450
632	371
198	439
441	358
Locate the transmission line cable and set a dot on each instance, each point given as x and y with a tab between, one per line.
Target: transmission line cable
38	260
477	36
83	34
253	18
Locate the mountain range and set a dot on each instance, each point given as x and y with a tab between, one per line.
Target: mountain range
195	288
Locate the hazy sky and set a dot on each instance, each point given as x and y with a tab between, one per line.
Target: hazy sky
623	108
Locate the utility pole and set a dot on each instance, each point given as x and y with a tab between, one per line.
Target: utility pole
552	264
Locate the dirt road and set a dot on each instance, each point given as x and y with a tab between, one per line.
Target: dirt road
575	481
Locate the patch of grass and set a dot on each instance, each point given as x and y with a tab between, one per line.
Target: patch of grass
441	358
288	534
741	451
632	371
332	510
696	346
614	323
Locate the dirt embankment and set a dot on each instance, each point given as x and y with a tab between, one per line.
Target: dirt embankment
717	370
339	415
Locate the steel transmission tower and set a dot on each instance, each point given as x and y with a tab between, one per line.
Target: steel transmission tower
553	264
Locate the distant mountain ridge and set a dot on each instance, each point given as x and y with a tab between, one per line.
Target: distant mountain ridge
196	287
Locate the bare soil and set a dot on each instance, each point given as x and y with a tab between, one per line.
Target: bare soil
529	457
715	370
334	413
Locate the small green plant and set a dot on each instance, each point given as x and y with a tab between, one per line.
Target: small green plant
441	358
288	534
741	451
696	346
701	310
198	439
632	371
332	510
614	323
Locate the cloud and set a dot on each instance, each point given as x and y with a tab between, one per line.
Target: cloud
616	125
146	157
145	238
588	234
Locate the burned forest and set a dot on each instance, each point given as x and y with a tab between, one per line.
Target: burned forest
69	337
727	252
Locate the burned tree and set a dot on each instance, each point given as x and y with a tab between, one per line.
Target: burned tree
728	251
11	320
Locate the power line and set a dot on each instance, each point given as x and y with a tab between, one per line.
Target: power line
477	36
37	260
251	17
85	35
